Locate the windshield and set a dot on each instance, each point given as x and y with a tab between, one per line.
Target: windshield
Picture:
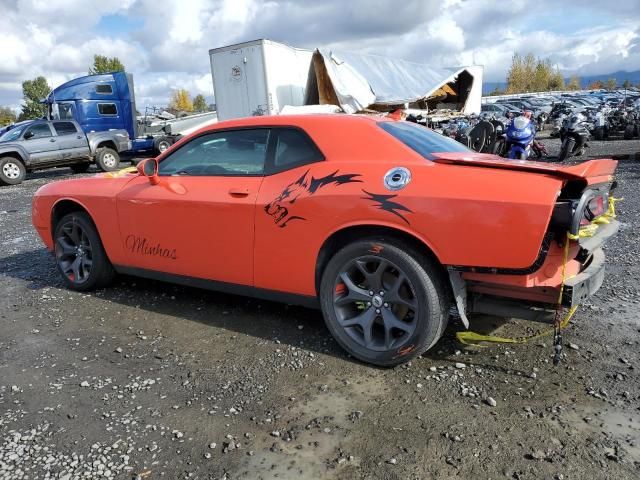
11	135
421	139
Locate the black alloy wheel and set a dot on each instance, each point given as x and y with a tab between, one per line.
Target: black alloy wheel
384	302
375	303
80	256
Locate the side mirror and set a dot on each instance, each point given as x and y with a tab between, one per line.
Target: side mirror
29	135
149	168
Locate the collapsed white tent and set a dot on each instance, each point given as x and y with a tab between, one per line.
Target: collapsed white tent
357	82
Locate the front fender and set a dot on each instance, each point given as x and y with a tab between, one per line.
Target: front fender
96	195
13	149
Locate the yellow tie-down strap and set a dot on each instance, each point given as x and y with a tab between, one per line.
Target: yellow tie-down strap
121	173
470	338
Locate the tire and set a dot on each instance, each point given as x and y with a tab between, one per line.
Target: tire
417	306
521	156
598	133
12	171
107	159
567	148
628	132
80	257
80	167
162	144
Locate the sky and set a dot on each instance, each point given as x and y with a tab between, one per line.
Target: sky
165	43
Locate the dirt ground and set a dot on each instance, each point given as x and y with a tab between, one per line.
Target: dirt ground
149	380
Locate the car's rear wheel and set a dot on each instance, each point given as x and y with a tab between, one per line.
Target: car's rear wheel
12	171
80	256
382	302
162	144
107	159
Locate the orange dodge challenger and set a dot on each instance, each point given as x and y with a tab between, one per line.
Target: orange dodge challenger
382	224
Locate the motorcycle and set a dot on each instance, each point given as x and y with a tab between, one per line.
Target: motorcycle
519	138
574	135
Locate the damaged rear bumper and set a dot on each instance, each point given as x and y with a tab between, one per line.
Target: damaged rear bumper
586	283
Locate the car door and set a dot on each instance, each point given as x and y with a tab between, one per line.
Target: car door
72	143
39	142
198	221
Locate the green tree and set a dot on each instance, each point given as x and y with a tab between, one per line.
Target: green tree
7	116
542	75
611	84
626	84
531	74
104	64
181	101
574	83
200	104
33	92
556	80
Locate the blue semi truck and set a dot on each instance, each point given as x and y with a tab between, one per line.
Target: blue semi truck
107	102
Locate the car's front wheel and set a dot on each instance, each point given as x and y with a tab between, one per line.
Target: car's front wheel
80	256
12	171
382	302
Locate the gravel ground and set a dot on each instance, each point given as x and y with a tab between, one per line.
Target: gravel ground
148	380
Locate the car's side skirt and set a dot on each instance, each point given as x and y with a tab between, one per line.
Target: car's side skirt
244	290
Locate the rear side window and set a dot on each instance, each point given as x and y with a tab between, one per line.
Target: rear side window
294	148
104	88
421	139
107	109
64	128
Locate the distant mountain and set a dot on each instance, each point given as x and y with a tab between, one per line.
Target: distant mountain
633	77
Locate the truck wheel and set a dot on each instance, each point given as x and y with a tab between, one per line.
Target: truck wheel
12	171
80	167
566	149
628	132
162	144
383	304
598	133
80	256
107	159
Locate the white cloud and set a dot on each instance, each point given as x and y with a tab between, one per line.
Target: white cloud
166	44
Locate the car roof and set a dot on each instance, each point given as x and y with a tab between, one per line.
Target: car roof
298	120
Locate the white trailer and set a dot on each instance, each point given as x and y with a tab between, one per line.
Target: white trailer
258	78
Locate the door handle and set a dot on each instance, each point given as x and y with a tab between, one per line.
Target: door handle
52	139
79	137
239	192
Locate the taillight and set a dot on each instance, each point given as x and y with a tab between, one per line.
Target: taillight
592	204
595	207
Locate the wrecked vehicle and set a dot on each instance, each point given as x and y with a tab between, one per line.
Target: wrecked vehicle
382	224
39	144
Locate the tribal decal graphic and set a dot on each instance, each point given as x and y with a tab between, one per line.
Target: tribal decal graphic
304	186
383	202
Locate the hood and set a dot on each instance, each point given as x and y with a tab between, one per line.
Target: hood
593	171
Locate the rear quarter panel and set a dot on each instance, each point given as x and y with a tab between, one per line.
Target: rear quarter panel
468	216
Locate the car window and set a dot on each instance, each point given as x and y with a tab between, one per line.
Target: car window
104	88
294	148
39	130
11	135
65	128
234	152
421	139
107	109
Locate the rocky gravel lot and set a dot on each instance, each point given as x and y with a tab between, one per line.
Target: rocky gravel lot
147	380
